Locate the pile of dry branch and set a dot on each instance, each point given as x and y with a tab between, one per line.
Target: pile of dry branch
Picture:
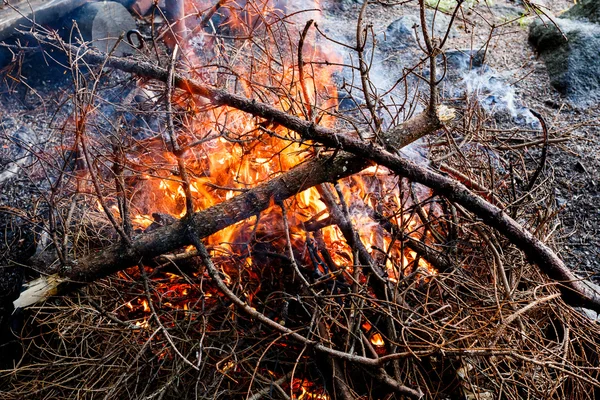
321	264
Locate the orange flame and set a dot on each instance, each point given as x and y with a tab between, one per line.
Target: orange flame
377	340
228	151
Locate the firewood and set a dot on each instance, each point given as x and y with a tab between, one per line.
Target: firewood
575	290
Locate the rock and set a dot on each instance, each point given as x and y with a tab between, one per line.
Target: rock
22	12
584	10
508	12
573	63
348	4
102	23
458	64
441	23
463	60
591	314
400	34
127	3
20	15
347	102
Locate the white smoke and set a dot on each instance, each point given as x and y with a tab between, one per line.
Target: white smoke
495	95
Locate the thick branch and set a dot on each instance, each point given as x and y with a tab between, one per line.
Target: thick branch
213	219
207	222
574	289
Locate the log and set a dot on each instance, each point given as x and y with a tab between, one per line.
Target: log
576	291
207	222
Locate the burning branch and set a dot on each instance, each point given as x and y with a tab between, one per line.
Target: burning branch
345	265
575	290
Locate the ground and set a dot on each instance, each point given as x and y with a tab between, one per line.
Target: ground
574	164
566	200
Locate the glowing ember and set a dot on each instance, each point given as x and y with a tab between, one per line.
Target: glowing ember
377	340
143	324
306	395
304	390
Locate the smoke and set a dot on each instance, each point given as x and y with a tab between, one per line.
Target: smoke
496	95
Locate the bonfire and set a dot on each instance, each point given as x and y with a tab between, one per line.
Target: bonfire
236	209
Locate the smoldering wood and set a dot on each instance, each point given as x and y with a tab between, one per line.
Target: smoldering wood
207	222
317	345
576	290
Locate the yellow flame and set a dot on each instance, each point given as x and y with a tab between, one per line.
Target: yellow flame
145	305
377	340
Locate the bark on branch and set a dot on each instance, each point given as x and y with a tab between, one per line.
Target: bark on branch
207	222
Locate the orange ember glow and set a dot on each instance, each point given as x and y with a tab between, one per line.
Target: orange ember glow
304	390
306	395
377	340
145	305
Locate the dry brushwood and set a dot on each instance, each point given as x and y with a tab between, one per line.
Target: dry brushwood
576	290
435	299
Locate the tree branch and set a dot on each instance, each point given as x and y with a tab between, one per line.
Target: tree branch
575	291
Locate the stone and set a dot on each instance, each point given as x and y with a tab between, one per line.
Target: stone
458	65
102	23
348	4
584	10
347	102
463	60
571	57
400	34
508	12
22	12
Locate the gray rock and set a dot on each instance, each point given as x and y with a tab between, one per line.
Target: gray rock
591	314
508	12
348	4
103	23
584	10
463	60
573	63
401	34
458	64
127	3
21	13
